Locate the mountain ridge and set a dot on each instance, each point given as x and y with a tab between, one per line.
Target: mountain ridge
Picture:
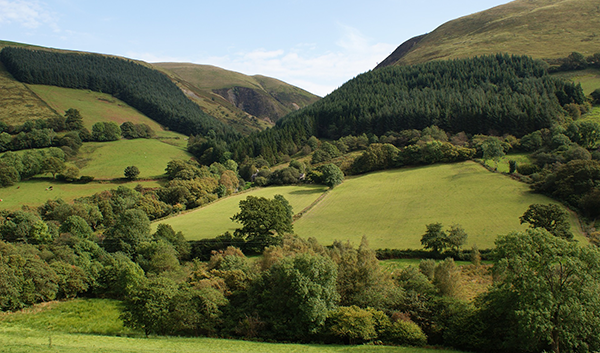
542	29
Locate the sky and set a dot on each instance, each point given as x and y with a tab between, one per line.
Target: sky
315	45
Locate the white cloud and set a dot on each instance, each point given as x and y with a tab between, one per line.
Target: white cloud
319	73
29	14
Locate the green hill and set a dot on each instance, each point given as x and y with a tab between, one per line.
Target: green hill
265	98
543	29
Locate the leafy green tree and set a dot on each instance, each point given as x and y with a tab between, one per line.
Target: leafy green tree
147	306
106	131
546	290
361	281
53	166
131	172
332	175
434	238
132	228
354	325
295	295
447	278
551	217
457	237
8	175
74	119
165	232
492	149
76	226
263	220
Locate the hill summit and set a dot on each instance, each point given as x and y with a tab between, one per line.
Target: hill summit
542	29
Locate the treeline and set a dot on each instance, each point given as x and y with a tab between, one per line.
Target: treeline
497	94
66	132
147	90
575	61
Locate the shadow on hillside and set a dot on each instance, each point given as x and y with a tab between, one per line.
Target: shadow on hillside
307	192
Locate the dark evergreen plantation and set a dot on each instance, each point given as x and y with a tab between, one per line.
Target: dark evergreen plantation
498	95
145	89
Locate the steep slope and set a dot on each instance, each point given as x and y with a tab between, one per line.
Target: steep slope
543	29
246	103
262	97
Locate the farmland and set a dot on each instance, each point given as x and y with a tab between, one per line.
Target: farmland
107	160
391	208
213	220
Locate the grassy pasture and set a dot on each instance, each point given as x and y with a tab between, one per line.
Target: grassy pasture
34	192
214	219
107	160
503	164
95	107
93	326
588	78
393	207
19	104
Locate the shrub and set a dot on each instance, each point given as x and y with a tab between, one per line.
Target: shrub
406	333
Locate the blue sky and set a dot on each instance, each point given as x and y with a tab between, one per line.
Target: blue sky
315	45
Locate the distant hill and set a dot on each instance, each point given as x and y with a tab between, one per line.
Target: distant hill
542	29
262	97
246	103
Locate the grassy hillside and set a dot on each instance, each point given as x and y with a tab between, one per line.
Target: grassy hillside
35	192
391	208
259	96
108	160
92	325
542	29
18	103
93	106
214	219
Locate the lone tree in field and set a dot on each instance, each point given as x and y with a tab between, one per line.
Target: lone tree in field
492	149
551	217
132	172
263	220
438	240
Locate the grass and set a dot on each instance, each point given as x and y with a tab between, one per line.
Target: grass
214	219
393	207
107	160
92	326
541	29
503	164
589	79
34	192
19	104
95	107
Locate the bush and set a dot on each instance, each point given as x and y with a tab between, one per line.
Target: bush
84	179
527	169
406	333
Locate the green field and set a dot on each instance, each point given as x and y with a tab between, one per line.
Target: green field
588	78
92	326
393	207
35	192
108	160
18	103
214	219
95	107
